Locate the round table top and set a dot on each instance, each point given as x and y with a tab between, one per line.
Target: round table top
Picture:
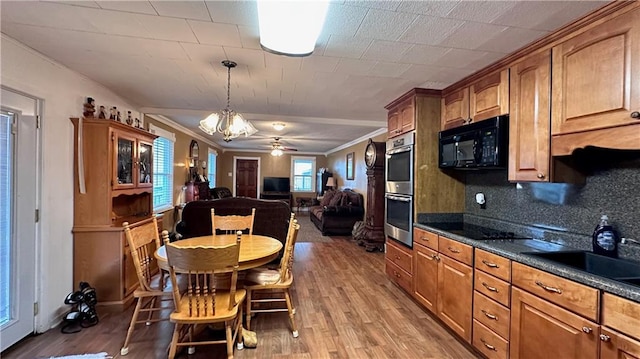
255	250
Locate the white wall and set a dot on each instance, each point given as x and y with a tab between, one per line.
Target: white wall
63	92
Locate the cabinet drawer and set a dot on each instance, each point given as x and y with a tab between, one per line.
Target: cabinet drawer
576	297
456	250
621	314
493	315
493	264
427	239
402	278
399	257
489	343
492	287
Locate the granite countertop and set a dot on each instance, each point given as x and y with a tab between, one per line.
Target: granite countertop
515	249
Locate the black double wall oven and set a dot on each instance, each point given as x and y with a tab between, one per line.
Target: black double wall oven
399	189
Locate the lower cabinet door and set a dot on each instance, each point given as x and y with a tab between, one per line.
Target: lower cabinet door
455	293
615	345
540	329
425	277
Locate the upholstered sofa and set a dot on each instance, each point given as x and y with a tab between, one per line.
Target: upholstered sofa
272	217
338	212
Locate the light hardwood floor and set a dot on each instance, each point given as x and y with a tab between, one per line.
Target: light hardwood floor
346	308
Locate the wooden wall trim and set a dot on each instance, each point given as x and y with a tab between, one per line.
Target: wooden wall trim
414	92
579	26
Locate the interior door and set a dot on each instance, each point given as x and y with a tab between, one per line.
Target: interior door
18	188
246	178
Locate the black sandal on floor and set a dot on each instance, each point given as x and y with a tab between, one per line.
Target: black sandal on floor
89	315
74	298
89	295
72	323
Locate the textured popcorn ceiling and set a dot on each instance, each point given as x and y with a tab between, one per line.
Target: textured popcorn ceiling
164	56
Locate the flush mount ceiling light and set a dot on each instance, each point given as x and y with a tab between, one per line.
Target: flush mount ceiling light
228	122
278	126
291	28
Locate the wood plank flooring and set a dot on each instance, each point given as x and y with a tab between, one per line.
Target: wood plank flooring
346	308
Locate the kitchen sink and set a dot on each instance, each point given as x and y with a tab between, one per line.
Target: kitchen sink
614	268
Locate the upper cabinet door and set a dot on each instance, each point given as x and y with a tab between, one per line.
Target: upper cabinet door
124	158
145	164
529	120
407	116
455	109
596	77
489	96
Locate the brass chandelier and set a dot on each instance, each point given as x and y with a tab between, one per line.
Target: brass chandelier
228	122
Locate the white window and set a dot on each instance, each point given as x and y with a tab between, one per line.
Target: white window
211	169
162	168
303	171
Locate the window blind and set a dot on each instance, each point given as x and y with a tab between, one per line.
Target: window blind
211	170
162	173
6	174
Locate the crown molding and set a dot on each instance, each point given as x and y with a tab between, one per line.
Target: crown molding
357	140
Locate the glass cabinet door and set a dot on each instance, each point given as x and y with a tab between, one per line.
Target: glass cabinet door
145	164
124	161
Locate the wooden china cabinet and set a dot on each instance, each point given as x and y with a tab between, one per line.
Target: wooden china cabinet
373	237
112	185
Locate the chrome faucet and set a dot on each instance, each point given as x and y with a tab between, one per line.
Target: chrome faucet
629	241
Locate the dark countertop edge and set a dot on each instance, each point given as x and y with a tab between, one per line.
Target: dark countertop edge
608	285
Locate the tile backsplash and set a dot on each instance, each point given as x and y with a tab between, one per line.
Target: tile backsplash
612	188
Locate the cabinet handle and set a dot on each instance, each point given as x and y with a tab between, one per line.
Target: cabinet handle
435	257
489	264
397	257
541	175
489	346
549	289
396	274
635	114
489	315
453	250
605	338
490	288
425	239
587	330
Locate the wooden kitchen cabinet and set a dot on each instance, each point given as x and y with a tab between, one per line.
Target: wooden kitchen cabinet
399	264
401	117
620	332
455	293
485	98
132	161
443	280
617	346
540	329
529	119
596	87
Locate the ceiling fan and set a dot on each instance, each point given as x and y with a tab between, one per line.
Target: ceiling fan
277	149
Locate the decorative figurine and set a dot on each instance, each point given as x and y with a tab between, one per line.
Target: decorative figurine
129	118
112	113
118	117
137	123
89	108
102	112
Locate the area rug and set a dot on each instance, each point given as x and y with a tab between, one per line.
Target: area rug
308	231
102	355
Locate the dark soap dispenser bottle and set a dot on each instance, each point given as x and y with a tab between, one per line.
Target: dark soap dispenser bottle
605	238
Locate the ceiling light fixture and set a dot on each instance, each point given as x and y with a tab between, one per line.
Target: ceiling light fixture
278	126
228	122
291	28
277	152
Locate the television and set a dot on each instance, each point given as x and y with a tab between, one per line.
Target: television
276	184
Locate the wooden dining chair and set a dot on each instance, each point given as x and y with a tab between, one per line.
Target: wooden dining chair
273	284
143	240
205	301
232	223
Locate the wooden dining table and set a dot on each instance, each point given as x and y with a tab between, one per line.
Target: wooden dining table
255	250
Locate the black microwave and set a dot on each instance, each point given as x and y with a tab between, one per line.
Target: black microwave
481	145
